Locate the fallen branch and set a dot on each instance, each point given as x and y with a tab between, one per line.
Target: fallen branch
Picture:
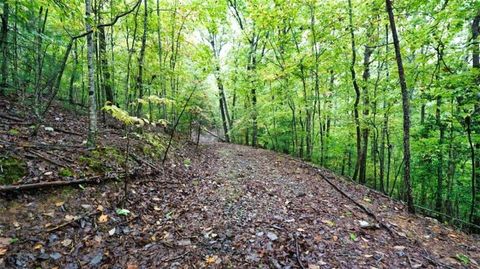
60	130
140	160
364	209
39	145
8	117
297	252
214	135
41	185
39	155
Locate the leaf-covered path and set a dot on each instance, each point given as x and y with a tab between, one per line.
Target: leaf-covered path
229	206
267	209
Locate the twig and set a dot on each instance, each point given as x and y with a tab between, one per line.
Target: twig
8	117
140	160
177	257
72	221
366	210
176	124
297	252
56	129
38	154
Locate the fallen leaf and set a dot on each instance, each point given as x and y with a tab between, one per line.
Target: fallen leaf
3	250
66	242
59	204
103	218
111	232
37	246
399	248
100	208
209	260
132	266
329	223
272	236
50	214
69	217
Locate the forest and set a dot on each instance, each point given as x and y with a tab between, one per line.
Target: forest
382	93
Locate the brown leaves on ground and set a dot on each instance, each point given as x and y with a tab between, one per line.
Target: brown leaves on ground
231	207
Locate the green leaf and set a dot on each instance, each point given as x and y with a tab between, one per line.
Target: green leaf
463	258
122	212
353	236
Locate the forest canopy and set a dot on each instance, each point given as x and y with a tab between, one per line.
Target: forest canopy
384	92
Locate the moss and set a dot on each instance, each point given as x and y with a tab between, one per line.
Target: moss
11	169
65	172
13	132
101	160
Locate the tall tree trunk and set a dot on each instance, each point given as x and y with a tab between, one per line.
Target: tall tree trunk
102	43
71	89
475	212
160	62
366	103
92	105
141	59
357	93
4	48
39	61
405	108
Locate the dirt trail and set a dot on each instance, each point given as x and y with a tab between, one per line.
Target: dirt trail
239	207
267	209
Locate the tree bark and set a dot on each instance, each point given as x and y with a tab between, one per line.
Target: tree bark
405	108
4	48
141	59
92	106
357	93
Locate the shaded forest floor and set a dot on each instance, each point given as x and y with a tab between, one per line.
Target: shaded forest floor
219	206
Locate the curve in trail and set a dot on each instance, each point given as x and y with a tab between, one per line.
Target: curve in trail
256	208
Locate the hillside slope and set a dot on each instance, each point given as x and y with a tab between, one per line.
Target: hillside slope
218	205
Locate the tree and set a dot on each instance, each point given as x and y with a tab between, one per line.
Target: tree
405	108
92	105
4	47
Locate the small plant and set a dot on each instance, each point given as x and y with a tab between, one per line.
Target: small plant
463	258
122	212
65	172
187	162
13	132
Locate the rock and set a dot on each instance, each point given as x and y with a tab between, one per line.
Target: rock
364	224
272	236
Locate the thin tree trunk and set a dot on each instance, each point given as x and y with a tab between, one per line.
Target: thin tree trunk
366	103
357	93
405	108
141	59
4	48
106	79
92	126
